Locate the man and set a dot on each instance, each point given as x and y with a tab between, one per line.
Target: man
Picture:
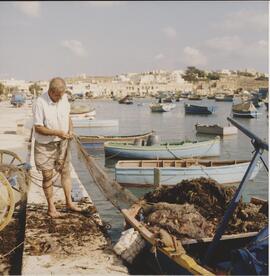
53	131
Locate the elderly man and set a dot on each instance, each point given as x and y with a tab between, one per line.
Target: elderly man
53	127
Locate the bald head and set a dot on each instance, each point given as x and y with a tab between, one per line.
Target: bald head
57	88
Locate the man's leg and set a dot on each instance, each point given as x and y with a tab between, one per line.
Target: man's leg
66	184
48	191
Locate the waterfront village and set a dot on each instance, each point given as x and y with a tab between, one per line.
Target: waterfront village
146	84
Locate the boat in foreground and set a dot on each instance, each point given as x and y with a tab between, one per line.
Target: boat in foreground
161	107
216	129
244	110
165	150
101	139
198	109
186	257
144	173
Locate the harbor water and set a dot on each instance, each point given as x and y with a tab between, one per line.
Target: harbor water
169	126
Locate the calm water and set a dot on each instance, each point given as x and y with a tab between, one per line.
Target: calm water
173	125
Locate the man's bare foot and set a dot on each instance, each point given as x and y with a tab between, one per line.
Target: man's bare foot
72	207
54	214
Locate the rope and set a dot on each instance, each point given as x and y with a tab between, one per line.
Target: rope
12	250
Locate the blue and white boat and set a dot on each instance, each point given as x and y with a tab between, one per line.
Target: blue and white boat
164	150
142	173
198	109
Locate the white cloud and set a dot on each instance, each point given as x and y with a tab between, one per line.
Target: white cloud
170	32
194	57
245	19
31	9
75	46
225	43
159	56
106	4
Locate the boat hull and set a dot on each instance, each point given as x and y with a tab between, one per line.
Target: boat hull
216	130
248	114
171	176
194	109
128	151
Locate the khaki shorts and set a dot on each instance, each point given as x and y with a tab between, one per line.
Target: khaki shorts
48	155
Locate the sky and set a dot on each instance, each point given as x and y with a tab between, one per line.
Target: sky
40	40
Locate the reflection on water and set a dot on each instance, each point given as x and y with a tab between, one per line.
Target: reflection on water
170	126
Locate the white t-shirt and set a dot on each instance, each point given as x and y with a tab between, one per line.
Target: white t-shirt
51	115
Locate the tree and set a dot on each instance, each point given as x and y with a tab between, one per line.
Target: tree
213	76
35	89
2	89
192	74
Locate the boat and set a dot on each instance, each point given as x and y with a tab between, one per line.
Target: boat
210	97
149	173
161	107
244	253
89	123
17	99
165	150
126	100
215	129
244	110
223	98
101	139
194	97
198	109
186	257
81	111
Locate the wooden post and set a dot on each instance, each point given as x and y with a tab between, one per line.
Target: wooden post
157	177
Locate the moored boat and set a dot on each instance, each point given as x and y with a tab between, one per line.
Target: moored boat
126	100
167	150
101	139
198	109
194	97
144	173
223	98
215	129
161	107
244	110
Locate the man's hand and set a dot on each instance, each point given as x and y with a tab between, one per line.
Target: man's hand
63	135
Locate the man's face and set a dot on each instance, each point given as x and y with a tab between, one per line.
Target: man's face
56	96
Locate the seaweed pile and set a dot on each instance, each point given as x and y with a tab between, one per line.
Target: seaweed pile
194	208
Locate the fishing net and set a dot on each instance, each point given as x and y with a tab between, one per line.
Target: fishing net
115	193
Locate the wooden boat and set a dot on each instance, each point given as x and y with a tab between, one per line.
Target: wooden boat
193	97
161	107
198	109
210	97
101	139
244	110
164	150
185	257
223	98
144	173
88	122
216	129
126	100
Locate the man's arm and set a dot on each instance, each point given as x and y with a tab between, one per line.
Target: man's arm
51	132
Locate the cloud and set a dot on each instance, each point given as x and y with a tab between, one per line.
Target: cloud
106	4
31	9
194	57
170	32
225	43
159	56
245	19
75	46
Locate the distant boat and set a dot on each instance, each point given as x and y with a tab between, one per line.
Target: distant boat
81	111
101	139
215	129
223	98
194	97
161	107
126	100
141	173
181	149
18	99
244	110
88	122
198	109
169	100
210	97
